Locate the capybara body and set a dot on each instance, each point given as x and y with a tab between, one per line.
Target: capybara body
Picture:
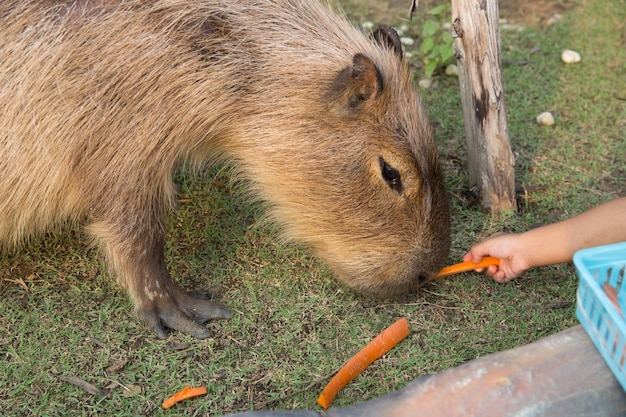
102	100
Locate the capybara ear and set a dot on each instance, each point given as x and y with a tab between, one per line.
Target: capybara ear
387	36
356	86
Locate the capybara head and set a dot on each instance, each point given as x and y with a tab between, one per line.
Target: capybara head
380	217
354	170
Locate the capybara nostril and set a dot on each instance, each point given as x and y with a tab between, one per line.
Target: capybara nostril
421	280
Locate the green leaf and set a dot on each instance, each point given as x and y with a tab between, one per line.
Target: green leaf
427	45
447	39
446	52
436	11
429	68
429	29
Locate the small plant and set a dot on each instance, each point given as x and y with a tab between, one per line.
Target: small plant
437	44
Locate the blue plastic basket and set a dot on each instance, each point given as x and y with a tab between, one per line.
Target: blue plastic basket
599	268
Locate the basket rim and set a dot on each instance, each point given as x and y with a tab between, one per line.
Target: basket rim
581	256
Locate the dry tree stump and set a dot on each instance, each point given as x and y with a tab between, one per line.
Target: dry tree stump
477	48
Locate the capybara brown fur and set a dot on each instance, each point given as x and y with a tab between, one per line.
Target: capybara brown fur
101	101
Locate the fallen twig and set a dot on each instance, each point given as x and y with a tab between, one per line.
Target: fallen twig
92	389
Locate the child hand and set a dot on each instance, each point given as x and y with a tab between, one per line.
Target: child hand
509	248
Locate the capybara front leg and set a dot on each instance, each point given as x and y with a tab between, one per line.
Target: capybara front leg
159	301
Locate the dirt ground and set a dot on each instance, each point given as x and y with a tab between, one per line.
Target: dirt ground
524	12
530	12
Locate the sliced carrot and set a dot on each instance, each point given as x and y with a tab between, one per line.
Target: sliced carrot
183	394
380	345
467	266
611	293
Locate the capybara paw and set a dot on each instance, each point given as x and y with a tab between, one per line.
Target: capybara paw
198	307
184	313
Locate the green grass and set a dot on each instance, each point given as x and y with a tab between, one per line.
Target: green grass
62	315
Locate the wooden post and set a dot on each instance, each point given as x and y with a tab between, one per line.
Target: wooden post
489	157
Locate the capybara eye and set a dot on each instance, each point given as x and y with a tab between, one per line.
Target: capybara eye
390	175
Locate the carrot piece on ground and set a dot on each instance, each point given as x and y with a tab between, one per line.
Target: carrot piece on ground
183	394
380	345
467	266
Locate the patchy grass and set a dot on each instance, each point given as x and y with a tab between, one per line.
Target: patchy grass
62	315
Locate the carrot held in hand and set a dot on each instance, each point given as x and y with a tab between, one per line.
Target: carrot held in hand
381	344
467	266
183	394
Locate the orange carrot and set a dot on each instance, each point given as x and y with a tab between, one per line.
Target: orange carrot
467	266
380	345
611	293
183	394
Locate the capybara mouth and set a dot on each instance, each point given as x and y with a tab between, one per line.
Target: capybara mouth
394	290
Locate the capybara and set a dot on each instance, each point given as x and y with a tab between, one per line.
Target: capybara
101	101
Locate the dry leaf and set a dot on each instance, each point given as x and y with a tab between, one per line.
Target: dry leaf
117	366
131	391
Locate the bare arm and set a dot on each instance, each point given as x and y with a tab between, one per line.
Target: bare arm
554	243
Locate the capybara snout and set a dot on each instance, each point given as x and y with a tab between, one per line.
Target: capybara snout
101	101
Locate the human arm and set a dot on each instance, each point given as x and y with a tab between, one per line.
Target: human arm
553	243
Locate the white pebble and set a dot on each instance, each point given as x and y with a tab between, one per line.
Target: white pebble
452	70
546	119
570	57
554	19
407	41
425	83
511	27
367	25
